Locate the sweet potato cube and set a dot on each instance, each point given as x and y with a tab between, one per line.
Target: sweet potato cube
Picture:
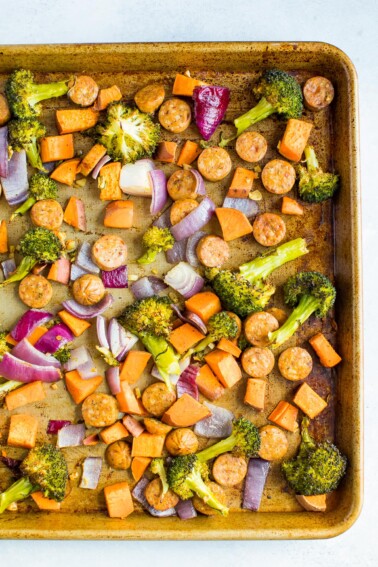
224	366
23	431
255	393
148	445
309	401
118	500
186	411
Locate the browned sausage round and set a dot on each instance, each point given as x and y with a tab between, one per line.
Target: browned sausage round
214	164
278	313
295	363
182	185
100	410
251	146
157	399
181	208
153	493
47	213
175	115
229	470
213	251
149	98
278	176
201	506
84	91
318	93
88	289
156	427
237	320
269	229
109	252
181	441
274	443
257	326
4	110
257	362
118	455
35	291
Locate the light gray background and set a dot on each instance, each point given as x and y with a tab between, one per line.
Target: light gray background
352	26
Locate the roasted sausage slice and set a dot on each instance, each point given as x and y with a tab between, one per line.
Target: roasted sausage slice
269	229
35	291
182	185
109	252
181	208
175	115
181	441
214	163
213	251
84	91
251	146
157	399
229	470
100	410
88	289
278	176
274	443
257	362
295	363
47	213
153	493
257	326
318	93
149	98
118	455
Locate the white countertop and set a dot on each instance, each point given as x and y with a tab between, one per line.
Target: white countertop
348	24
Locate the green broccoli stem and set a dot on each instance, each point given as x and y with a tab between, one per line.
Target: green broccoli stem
18	491
166	360
197	485
307	440
44	92
33	156
26	265
8	386
148	257
262	110
219	448
260	268
22	209
307	305
311	159
200	347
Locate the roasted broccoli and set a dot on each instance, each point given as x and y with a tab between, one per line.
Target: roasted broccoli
23	94
107	356
4	346
63	354
150	319
155	240
314	184
127	133
24	135
40	187
45	469
157	466
317	468
187	475
247	291
310	293
277	93
219	326
37	245
244	440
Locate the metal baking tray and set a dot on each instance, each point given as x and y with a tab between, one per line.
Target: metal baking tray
333	233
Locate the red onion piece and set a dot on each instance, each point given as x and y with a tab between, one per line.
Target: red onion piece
56	425
13	368
217	425
8	267
247	206
133	425
164	221
187	382
147	287
200	187
191	248
194	221
184	279
210	106
177	252
79	356
55	338
134	178
101	328
113	380
114	337
84	259
159	191
28	322
12	464
77	272
103	161
4	151
115	278
254	483
16	184
50	166
91	472
28	353
87	370
71	436
191	318
138	495
91	439
185	510
88	311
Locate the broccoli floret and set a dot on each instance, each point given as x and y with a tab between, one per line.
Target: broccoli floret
40	187
247	291
219	326
317	468
4	346
23	94
310	293
155	240
157	467
45	469
315	186
150	319
243	342
107	356
37	245
24	135
277	93
187	475
127	133
244	440
63	354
